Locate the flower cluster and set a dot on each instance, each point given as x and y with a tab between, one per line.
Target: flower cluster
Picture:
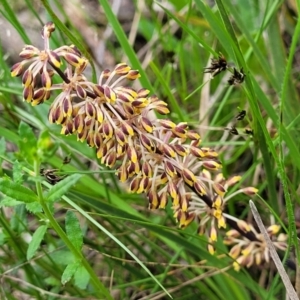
157	157
219	65
247	252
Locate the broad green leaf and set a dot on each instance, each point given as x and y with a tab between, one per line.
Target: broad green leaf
52	281
61	188
34	207
73	230
9	202
36	241
17	191
27	142
69	272
81	277
17	172
62	257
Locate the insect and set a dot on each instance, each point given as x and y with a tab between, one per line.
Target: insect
249	131
233	130
217	66
241	115
50	175
237	77
66	160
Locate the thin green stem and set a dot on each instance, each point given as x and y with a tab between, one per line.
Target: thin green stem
100	289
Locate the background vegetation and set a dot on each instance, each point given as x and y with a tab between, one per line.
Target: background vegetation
170	42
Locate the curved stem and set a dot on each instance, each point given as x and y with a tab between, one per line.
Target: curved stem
100	289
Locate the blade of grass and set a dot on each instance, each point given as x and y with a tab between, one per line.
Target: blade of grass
117	241
10	15
286	280
126	47
189	31
262	136
265	139
284	92
253	43
174	104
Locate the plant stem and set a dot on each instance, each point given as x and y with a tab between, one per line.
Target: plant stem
100	289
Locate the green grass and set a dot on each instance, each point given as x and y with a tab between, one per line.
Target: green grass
90	238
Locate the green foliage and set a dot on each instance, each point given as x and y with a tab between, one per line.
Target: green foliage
61	188
119	247
27	143
73	230
69	272
17	191
37	238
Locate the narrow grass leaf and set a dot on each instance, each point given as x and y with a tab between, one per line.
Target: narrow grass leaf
34	244
69	272
17	191
285	278
123	40
174	104
9	135
262	136
217	27
116	240
10	15
260	56
190	31
61	188
73	230
2	148
284	93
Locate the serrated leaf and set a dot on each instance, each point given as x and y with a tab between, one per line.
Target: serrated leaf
9	202
17	172
36	241
17	191
69	272
27	142
73	230
81	277
34	207
61	188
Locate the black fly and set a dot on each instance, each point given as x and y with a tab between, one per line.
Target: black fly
50	175
217	66
237	77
